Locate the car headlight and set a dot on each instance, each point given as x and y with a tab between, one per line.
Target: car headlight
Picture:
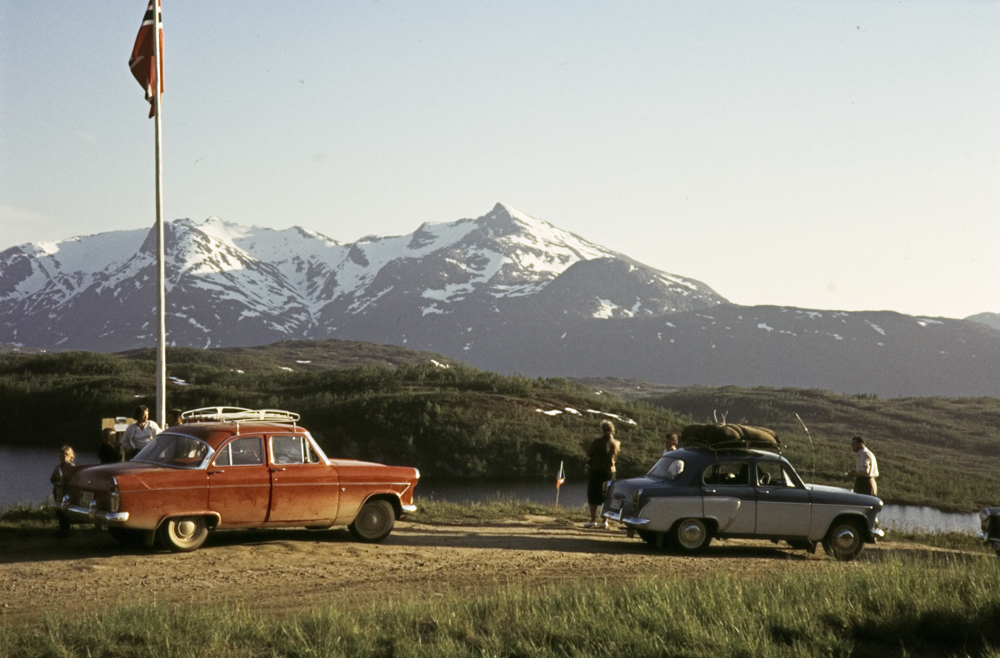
983	515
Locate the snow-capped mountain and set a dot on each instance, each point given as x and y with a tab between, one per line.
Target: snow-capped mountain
505	292
231	285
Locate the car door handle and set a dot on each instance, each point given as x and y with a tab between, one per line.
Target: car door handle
275	470
214	472
709	490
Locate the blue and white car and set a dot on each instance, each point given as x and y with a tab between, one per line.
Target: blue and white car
989	518
694	494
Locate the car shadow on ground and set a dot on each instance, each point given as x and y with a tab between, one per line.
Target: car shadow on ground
43	545
88	542
26	546
570	540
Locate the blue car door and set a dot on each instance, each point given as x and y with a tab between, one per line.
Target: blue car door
729	497
784	508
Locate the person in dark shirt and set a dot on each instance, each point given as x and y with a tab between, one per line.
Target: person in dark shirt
67	458
109	451
175	417
603	453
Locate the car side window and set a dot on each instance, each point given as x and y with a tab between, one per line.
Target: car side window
728	473
292	450
241	452
771	474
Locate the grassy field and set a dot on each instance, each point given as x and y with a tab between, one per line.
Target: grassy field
926	604
895	608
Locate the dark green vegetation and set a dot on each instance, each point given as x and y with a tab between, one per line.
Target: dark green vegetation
447	421
942	452
27	518
396	406
922	607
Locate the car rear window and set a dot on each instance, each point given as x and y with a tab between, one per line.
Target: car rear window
668	468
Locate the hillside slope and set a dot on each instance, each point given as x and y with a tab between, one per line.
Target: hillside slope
940	452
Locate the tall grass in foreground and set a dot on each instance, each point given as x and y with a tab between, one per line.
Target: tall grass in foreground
897	608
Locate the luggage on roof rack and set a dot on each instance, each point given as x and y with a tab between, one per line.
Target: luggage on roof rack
238	415
714	435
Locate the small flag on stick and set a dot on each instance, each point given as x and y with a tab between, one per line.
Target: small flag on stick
559	480
143	60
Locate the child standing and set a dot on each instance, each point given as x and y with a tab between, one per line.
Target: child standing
66	458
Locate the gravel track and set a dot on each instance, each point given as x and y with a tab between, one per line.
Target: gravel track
291	571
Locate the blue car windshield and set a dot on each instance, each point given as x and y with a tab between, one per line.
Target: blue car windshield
668	468
174	450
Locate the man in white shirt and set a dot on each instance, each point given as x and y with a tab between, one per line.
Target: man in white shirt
139	433
866	469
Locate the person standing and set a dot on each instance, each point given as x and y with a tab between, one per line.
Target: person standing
603	454
139	433
66	458
109	452
671	443
865	470
174	417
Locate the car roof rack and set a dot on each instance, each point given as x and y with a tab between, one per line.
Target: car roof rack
239	414
742	444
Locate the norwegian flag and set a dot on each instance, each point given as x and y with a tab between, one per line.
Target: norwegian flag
142	61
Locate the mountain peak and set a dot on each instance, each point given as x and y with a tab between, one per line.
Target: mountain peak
230	284
504	215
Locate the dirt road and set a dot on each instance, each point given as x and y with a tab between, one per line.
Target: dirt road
287	571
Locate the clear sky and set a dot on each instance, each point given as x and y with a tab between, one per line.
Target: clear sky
831	155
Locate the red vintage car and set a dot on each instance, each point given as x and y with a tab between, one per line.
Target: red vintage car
226	468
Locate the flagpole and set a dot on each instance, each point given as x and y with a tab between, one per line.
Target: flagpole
161	291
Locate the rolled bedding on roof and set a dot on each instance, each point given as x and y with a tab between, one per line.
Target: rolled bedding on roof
714	433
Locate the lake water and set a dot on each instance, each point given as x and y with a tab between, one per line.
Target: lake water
24	478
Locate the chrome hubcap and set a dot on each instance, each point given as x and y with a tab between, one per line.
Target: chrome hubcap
846	539
691	534
372	521
184	530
